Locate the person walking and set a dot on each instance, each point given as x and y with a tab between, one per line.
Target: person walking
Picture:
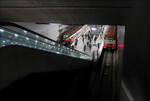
90	46
98	45
76	42
95	39
84	48
83	39
93	55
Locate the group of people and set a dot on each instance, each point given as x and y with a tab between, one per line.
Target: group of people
91	43
88	40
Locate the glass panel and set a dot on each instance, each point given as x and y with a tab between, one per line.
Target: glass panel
16	36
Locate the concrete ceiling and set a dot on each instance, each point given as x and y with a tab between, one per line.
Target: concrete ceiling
67	11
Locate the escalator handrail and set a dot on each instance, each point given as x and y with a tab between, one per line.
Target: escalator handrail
23	28
22	34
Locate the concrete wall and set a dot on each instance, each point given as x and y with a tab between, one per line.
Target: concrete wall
19	64
49	30
136	69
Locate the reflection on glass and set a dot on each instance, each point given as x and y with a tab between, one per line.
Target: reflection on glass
8	37
46	40
16	35
36	36
3	41
27	38
36	41
1	30
25	32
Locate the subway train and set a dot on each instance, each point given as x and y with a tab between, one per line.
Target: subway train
70	37
110	38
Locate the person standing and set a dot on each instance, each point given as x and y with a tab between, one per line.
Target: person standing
98	45
76	42
84	48
83	39
90	46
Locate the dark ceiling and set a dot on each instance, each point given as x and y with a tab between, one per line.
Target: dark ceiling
67	11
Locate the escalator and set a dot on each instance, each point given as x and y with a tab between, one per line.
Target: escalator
33	66
13	34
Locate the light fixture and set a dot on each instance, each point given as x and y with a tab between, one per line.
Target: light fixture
94	29
16	35
46	40
16	42
27	38
3	41
36	41
25	31
37	36
1	30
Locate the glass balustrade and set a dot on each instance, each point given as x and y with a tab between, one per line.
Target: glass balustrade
10	35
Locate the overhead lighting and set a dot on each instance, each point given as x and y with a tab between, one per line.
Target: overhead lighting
37	36
94	29
25	31
54	23
11	43
3	41
36	41
16	42
57	52
1	30
46	40
27	38
16	35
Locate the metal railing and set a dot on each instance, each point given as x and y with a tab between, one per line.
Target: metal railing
14	35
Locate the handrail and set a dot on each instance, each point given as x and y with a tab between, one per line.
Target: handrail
41	39
21	27
20	33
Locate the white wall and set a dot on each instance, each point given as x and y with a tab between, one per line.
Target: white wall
49	30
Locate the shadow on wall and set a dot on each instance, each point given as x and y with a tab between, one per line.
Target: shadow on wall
33	73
